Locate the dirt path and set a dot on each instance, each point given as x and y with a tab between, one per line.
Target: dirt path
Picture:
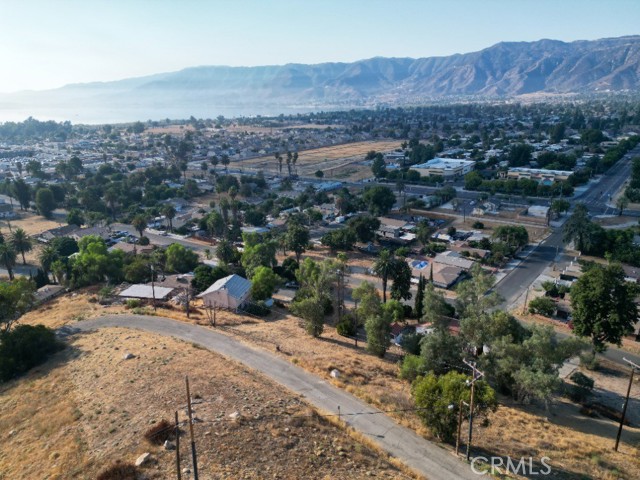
424	457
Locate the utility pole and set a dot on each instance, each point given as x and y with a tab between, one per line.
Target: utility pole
626	400
355	324
153	286
459	426
193	442
178	447
186	303
477	375
524	307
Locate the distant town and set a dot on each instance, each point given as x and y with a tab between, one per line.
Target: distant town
394	253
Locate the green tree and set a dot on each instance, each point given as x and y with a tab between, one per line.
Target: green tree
311	310
559	206
257	252
138	271
543	306
433	396
45	202
180	259
603	304
365	227
379	200
378	328
8	258
215	224
227	253
22	192
48	254
621	203
297	239
75	217
369	304
577	228
401	275
440	352
378	167
341	239
263	283
418	305
139	223
515	236
435	309
472	181
21	243
204	276
16	299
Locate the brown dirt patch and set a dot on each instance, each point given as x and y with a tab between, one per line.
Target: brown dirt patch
88	407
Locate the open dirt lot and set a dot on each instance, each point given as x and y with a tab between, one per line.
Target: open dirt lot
88	408
30	223
334	161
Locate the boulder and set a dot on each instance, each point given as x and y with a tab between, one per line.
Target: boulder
335	373
128	356
142	459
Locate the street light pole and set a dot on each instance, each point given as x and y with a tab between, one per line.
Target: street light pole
153	287
477	374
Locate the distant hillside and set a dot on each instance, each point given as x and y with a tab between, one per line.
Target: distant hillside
505	69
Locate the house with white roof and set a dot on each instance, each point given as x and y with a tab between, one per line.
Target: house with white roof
230	293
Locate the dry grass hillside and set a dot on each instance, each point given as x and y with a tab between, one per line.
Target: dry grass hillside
89	407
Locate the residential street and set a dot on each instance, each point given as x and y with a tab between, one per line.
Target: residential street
425	457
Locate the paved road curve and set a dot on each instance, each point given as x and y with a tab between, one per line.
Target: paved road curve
424	457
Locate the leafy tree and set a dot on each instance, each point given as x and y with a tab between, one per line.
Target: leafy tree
21	243
94	263
577	228
138	271
311	310
369	304
45	202
433	395
542	306
621	203
264	283
603	305
401	286
515	236
139	222
8	258
75	217
440	351
25	347
180	259
16	299
257	252
204	276
520	154
378	328
474	304
472	181
560	206
215	224
297	239
378	167
436	309
65	246
365	227
22	192
227	253
341	239
379	200
418	305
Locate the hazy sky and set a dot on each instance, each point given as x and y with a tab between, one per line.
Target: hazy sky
49	43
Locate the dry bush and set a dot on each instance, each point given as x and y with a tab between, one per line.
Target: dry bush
119	471
160	432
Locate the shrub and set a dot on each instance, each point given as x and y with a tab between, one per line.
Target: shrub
589	360
478	225
345	328
24	347
412	367
160	432
133	303
582	388
257	309
410	343
119	471
144	241
542	306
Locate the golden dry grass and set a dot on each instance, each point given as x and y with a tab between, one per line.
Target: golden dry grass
30	223
88	407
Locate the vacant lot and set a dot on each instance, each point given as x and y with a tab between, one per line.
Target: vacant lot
338	161
31	223
88	407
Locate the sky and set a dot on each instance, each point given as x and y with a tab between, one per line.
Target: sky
50	43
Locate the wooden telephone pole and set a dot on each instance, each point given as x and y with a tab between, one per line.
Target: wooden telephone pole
626	401
477	375
193	442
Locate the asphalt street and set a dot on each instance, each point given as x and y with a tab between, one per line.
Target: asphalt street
425	457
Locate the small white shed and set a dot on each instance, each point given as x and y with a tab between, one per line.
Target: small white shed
228	292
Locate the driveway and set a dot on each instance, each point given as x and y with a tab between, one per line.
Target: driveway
425	457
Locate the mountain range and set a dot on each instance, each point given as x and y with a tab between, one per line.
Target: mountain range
506	69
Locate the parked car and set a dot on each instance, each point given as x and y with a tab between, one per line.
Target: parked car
292	285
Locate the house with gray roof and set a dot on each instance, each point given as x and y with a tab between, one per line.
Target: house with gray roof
229	293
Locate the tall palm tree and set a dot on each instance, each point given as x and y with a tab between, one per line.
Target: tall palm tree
383	267
139	222
21	242
8	258
169	212
47	256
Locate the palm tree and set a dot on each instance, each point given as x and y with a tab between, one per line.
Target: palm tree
170	213
383	267
139	222
8	258
47	256
294	160
226	161
21	242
